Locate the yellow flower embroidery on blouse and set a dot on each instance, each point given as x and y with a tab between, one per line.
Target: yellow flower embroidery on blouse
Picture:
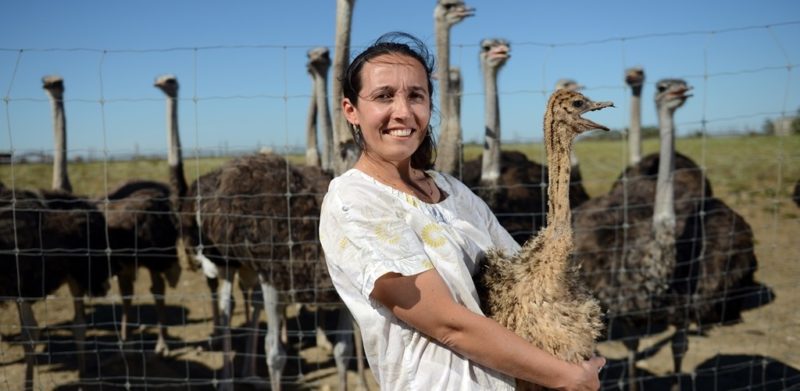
382	234
430	235
343	243
427	264
411	200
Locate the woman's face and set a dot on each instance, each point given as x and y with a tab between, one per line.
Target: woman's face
394	107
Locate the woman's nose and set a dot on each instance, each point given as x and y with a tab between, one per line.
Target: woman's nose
402	108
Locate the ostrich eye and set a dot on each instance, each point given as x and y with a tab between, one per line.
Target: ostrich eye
577	104
662	88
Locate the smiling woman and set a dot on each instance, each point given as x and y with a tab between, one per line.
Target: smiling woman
402	242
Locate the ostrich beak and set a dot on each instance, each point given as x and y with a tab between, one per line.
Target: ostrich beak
466	12
586	124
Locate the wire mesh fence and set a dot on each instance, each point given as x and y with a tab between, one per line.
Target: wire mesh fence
127	279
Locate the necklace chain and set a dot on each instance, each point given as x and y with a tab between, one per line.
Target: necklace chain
426	179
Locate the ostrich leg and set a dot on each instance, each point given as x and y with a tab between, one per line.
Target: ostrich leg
125	279
632	344
359	346
30	330
276	355
679	344
225	302
79	326
157	288
255	306
343	348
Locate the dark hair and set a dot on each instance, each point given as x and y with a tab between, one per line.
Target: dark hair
404	44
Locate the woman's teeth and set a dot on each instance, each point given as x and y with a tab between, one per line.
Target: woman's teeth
400	132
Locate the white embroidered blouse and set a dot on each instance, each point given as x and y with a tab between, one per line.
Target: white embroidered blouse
368	229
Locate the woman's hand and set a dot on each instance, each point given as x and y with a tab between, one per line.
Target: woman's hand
588	378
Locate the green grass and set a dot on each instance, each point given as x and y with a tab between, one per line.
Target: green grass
739	168
742	166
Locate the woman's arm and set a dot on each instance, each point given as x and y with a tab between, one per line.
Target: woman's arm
424	302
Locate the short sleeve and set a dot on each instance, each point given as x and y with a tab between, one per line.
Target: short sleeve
365	235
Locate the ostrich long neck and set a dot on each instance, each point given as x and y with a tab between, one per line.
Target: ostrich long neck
448	159
453	123
491	147
174	154
664	209
558	144
328	139
635	134
312	153
60	175
341	56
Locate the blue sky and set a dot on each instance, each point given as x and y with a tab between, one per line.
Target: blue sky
244	63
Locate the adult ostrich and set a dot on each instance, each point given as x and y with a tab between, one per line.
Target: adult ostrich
265	218
50	239
446	14
536	292
222	217
143	227
626	241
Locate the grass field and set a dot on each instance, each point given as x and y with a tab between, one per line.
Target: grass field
755	166
753	175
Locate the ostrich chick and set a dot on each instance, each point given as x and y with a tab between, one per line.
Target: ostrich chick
536	292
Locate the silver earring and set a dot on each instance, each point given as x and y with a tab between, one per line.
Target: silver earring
357	136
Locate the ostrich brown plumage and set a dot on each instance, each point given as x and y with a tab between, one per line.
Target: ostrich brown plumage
258	224
536	292
60	240
659	250
447	14
626	238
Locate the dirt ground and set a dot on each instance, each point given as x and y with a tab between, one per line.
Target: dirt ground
760	353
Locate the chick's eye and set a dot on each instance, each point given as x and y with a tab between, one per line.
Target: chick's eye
577	104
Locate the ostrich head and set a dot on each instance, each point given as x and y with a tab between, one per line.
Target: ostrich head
451	12
567	107
634	77
54	85
494	53
167	83
568	84
319	60
671	94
